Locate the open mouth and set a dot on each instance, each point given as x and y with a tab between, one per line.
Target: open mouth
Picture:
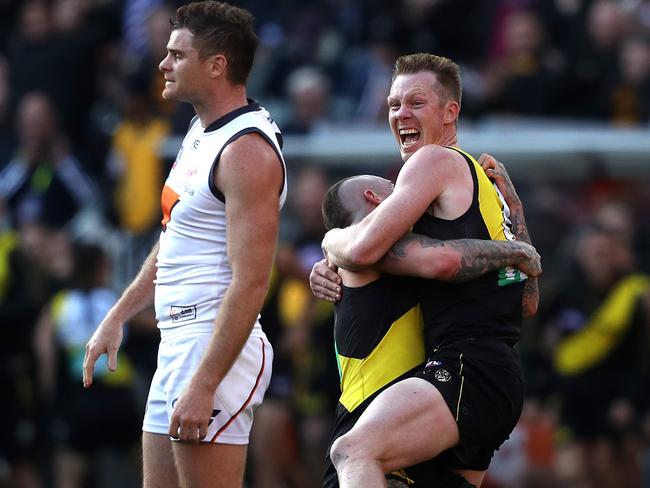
409	137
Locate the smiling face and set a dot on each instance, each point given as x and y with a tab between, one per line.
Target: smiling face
182	68
417	114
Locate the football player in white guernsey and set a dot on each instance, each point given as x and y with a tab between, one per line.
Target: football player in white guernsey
208	274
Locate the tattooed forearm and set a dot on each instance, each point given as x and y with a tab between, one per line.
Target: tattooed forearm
498	174
480	257
530	298
400	248
456	260
519	228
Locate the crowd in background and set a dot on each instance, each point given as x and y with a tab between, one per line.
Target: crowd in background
82	126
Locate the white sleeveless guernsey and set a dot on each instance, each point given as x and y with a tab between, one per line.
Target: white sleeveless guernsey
193	269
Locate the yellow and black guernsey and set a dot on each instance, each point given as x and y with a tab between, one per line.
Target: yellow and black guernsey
378	336
379	339
489	306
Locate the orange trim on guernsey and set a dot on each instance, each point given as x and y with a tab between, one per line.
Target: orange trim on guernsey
168	200
248	400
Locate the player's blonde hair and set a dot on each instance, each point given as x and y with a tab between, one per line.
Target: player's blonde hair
449	86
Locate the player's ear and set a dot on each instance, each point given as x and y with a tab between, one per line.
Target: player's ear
452	109
217	64
372	197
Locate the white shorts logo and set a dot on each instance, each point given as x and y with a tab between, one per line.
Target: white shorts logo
182	313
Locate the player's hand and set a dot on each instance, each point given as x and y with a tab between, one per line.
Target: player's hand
191	414
106	340
325	283
531	261
496	171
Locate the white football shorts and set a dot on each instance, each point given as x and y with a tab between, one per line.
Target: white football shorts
238	394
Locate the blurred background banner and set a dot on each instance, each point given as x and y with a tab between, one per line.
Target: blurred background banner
558	90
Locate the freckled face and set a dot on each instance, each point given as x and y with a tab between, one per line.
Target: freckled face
415	112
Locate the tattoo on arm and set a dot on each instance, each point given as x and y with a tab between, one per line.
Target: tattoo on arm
400	248
477	256
530	298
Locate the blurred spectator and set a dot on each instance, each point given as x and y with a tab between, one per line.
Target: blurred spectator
135	164
134	36
308	92
33	262
617	218
43	181
53	50
597	329
458	29
145	67
594	60
523	79
366	79
85	422
627	102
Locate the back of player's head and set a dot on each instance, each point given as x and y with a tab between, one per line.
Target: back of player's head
351	199
447	72
335	214
221	28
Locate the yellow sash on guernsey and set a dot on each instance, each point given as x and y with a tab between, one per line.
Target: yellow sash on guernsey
400	350
604	330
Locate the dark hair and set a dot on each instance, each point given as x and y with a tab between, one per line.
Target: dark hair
220	28
335	215
447	72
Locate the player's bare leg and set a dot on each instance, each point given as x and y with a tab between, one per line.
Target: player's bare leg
159	470
372	447
206	465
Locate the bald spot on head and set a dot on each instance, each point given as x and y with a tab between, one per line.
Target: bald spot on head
350	200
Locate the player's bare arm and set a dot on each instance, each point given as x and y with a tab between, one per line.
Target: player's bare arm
423	180
457	260
496	171
250	177
108	336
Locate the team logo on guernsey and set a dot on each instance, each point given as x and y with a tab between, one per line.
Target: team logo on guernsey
182	313
442	375
195	144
